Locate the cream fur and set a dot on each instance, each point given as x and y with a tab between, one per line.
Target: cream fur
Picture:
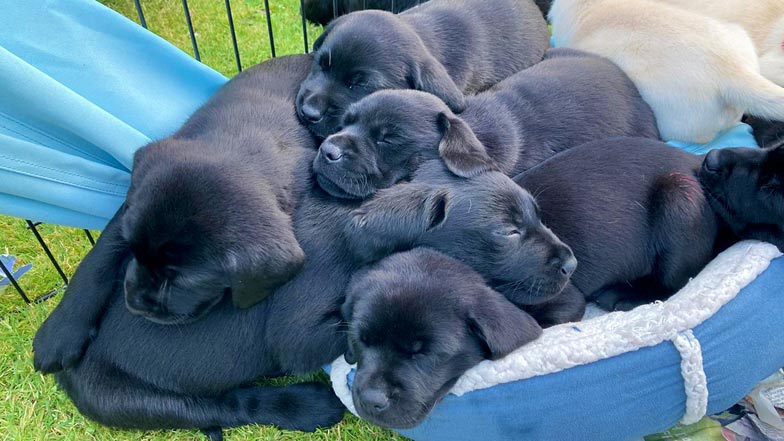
698	74
764	22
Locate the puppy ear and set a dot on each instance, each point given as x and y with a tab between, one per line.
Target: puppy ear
254	275
347	310
430	76
460	149
500	325
320	40
394	219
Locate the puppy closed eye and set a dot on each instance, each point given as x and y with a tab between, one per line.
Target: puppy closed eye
511	233
355	80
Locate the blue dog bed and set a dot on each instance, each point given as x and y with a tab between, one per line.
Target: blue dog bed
624	375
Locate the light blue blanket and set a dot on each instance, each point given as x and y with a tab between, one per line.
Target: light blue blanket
81	88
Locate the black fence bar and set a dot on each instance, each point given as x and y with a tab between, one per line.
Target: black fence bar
334	9
89	237
12	279
141	13
268	13
32	226
233	36
190	30
304	24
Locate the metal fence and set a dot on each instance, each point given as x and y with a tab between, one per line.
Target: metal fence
32	226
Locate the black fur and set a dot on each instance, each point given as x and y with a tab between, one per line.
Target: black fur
769	134
634	213
207	215
322	11
746	188
568	99
487	222
126	371
417	321
139	374
444	47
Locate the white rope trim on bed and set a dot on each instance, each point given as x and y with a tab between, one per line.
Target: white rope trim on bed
573	344
695	383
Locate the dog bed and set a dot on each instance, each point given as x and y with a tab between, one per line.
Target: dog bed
623	375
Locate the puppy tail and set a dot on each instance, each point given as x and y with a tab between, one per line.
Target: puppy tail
757	96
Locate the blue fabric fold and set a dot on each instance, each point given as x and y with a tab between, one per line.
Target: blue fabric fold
81	88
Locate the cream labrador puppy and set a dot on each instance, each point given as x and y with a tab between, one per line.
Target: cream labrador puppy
762	19
698	74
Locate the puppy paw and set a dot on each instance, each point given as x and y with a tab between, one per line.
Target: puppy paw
213	433
59	345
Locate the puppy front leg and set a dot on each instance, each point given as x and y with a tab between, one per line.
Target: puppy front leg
566	307
63	337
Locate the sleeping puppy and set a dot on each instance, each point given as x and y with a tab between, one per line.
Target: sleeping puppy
207	216
763	20
746	188
698	74
417	321
568	99
639	222
322	11
139	374
208	213
443	47
486	222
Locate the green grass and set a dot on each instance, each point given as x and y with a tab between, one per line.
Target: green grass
32	407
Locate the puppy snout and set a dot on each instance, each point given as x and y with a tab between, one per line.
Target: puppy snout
375	399
331	152
565	263
310	113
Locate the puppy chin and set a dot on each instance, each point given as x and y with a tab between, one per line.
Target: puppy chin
162	317
399	416
533	294
342	192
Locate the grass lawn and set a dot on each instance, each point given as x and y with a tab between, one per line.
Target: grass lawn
32	407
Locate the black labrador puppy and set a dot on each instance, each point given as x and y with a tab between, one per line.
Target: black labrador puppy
139	374
637	217
444	47
417	321
746	188
207	215
570	98
323	11
487	222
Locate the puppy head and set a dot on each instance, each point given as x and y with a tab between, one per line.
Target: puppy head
487	222
417	321
745	187
386	136
199	235
353	59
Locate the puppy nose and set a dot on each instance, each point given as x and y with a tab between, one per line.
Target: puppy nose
376	398
331	152
713	161
565	263
310	113
568	266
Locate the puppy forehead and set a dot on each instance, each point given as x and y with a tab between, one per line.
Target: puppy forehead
397	104
499	195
